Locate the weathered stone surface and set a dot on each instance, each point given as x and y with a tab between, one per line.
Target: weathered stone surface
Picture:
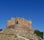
18	29
20	21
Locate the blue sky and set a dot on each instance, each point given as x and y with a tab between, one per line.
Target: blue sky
29	9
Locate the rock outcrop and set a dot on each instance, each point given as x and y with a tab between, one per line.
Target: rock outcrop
18	29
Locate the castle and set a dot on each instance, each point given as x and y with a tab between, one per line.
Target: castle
18	29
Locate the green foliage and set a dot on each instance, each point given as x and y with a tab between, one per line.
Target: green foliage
0	29
40	34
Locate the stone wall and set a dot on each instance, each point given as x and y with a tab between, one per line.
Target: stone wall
4	36
20	21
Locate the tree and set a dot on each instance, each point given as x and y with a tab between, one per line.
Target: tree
0	29
40	34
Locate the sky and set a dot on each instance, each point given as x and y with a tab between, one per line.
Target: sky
29	9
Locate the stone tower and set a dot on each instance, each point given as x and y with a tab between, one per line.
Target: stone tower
19	22
18	29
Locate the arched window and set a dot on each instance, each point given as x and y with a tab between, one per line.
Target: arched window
16	22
